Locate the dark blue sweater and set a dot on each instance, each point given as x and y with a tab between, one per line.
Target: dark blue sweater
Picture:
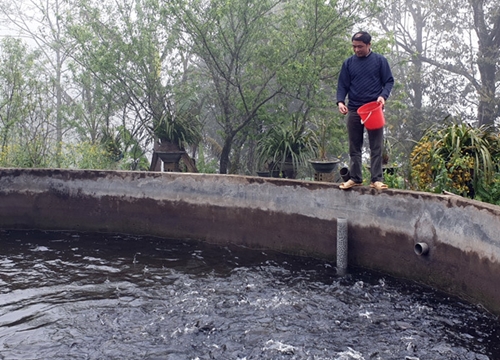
364	79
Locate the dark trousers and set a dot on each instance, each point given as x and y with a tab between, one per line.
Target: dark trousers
355	131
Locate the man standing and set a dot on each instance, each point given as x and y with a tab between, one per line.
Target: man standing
364	77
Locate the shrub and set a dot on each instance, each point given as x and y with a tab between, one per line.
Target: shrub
456	158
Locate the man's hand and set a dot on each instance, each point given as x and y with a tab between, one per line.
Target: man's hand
342	108
381	100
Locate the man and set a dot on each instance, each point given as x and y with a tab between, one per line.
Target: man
365	77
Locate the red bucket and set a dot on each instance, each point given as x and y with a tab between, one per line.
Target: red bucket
372	116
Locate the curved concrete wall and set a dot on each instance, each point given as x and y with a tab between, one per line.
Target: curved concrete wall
296	217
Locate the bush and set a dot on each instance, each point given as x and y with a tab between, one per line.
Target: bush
456	158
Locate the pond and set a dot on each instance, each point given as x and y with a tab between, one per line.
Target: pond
72	295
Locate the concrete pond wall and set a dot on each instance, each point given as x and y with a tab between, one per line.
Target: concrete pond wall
388	230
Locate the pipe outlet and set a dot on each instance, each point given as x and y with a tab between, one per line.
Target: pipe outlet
421	248
344	173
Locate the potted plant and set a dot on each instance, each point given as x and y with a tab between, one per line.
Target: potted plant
172	134
283	147
320	135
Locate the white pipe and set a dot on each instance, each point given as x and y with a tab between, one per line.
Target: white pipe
341	246
421	248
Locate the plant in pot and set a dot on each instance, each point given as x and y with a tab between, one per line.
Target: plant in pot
283	148
172	134
319	140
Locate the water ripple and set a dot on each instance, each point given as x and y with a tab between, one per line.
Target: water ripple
96	296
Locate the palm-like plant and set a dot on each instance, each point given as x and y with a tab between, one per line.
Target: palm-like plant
178	130
172	133
283	144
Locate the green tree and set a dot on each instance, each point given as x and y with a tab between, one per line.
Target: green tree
130	48
454	49
26	136
41	22
261	56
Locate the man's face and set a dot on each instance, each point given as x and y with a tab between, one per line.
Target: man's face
360	48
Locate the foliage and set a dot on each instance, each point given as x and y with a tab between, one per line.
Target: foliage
450	54
456	158
154	67
130	48
17	155
321	135
177	130
283	143
491	192
80	156
87	155
394	177
42	23
25	110
204	165
121	147
258	53
394	180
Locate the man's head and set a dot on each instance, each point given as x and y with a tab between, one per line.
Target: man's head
361	43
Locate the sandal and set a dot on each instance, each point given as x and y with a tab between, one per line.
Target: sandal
379	185
349	184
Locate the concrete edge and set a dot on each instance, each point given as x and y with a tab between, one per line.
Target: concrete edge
384	228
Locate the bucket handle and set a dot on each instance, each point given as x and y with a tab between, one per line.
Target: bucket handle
365	120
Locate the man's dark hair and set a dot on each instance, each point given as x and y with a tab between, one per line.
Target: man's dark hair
362	36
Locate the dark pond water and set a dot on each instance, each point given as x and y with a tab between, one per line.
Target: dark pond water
98	296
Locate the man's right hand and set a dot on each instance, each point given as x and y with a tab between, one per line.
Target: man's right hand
342	108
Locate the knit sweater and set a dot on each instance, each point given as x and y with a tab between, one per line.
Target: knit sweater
364	79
